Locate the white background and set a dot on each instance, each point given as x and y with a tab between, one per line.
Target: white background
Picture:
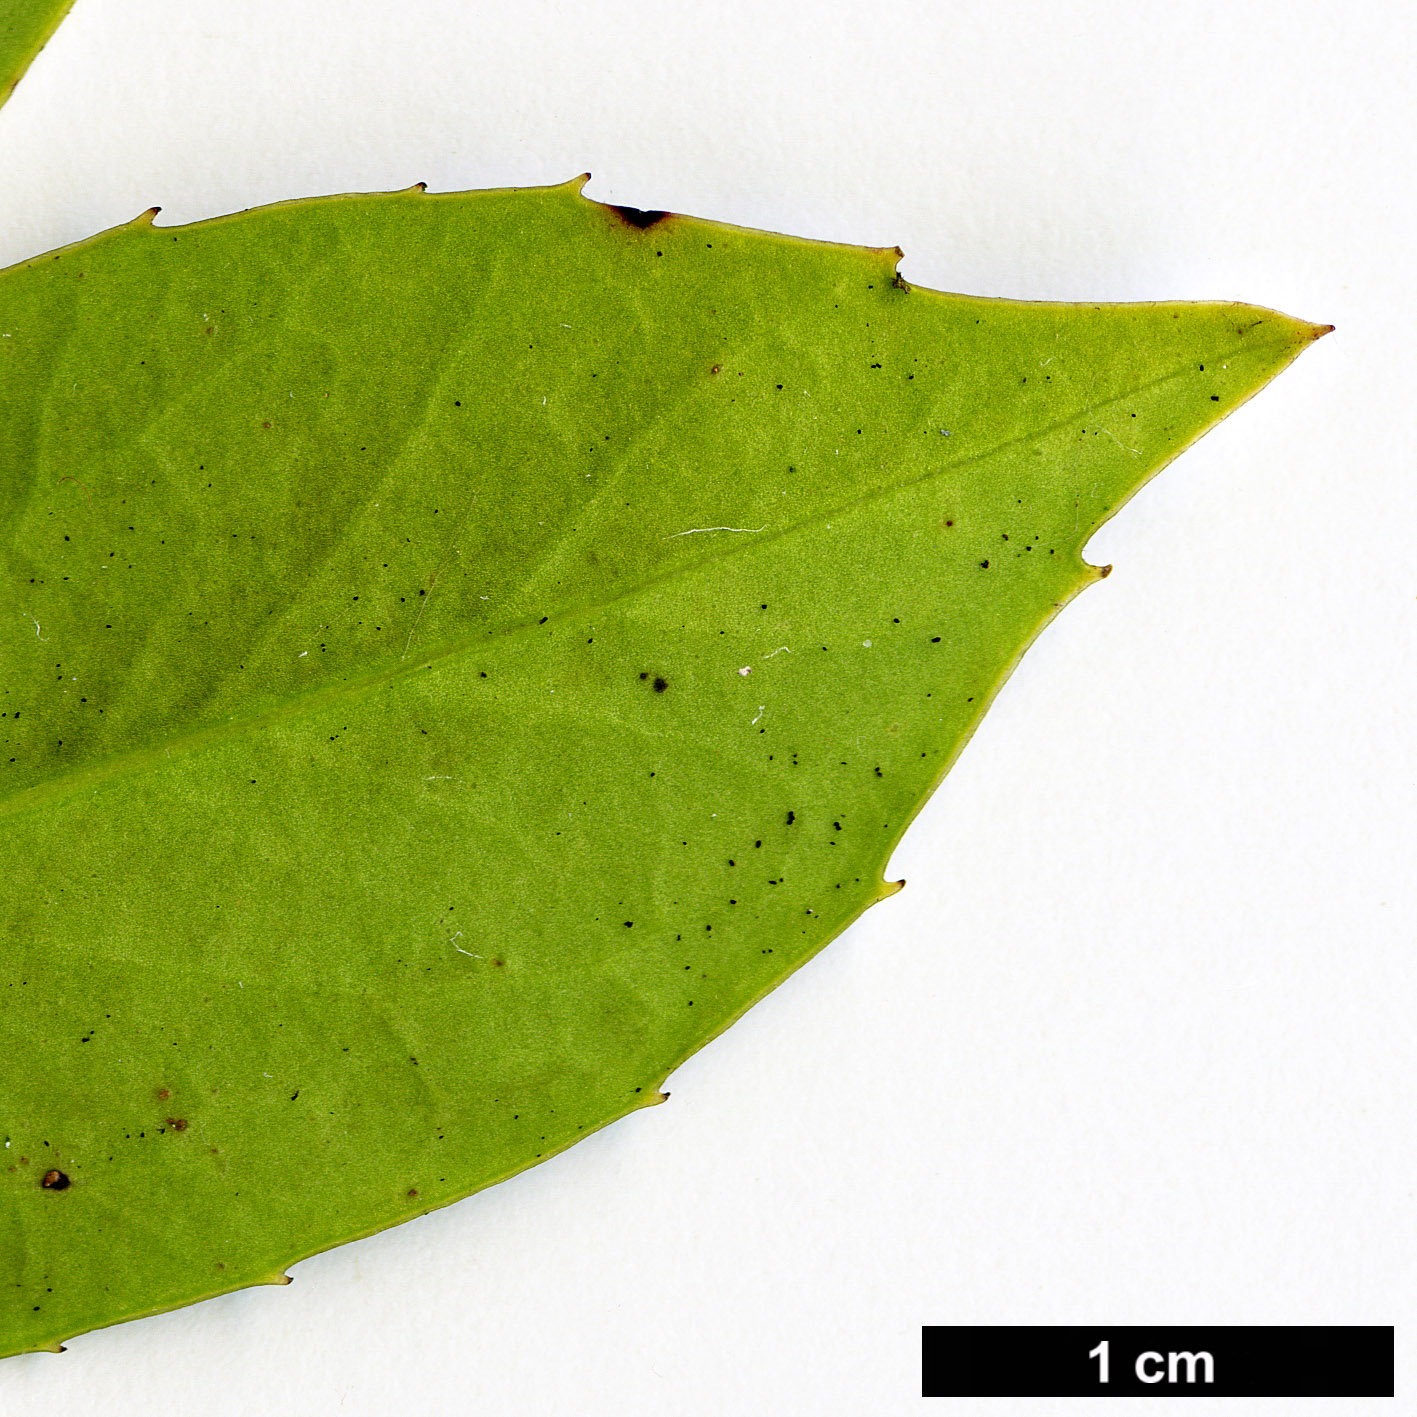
1136	1044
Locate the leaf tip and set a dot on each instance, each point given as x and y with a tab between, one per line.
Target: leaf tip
145	218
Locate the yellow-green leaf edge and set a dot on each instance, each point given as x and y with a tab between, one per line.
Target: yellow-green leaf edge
26	26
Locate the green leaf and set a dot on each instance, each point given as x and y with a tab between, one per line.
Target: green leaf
25	28
462	651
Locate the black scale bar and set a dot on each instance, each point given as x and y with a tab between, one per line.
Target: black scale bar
1157	1362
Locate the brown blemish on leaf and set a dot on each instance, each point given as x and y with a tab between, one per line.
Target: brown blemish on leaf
54	1181
413	1193
642	220
163	1094
178	1124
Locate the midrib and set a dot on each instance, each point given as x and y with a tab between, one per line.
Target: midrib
310	701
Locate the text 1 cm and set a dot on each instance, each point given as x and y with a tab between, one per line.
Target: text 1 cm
1154	1367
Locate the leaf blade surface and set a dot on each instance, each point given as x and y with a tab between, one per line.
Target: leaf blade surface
466	649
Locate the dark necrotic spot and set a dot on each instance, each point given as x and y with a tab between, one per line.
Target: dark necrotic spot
633	216
660	685
54	1181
